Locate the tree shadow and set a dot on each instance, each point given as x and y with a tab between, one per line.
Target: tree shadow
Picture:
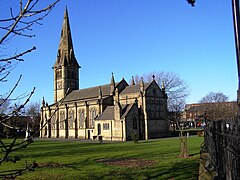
180	170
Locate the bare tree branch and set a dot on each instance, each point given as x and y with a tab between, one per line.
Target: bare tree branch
16	57
19	23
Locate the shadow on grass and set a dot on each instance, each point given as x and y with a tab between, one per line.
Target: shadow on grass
185	169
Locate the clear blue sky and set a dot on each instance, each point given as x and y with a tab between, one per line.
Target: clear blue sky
129	37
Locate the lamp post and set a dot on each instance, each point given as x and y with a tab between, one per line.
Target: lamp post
236	21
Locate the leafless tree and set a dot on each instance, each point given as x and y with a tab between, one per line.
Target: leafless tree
5	107
215	106
20	22
175	87
214	97
32	110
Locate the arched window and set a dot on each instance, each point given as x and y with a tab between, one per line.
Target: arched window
162	106
99	128
148	105
81	118
154	92
53	122
62	119
153	109
134	121
45	131
71	119
92	116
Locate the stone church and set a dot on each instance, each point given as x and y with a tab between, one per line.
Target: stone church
112	112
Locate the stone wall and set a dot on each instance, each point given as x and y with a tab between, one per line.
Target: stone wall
222	144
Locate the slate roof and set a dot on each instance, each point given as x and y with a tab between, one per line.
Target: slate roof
108	114
93	92
126	109
88	93
134	88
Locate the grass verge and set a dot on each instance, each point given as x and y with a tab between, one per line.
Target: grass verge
83	160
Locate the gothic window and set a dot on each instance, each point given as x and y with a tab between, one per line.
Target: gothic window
81	118
149	109
134	121
62	120
73	75
161	106
148	105
158	106
45	131
92	116
53	122
162	109
154	92
70	74
99	128
71	119
154	109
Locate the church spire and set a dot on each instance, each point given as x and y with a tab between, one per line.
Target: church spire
112	80
112	85
66	68
141	84
65	56
133	82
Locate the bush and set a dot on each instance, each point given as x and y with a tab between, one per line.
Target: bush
135	137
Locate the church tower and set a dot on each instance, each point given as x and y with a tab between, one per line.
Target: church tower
66	68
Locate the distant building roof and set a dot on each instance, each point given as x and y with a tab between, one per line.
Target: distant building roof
201	107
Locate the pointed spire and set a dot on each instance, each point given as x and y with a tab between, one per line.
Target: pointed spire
163	86
65	54
112	80
141	84
100	92
112	85
133	82
116	97
43	102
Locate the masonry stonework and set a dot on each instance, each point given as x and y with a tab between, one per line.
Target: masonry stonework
108	112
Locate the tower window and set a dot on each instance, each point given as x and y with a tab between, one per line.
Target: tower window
59	74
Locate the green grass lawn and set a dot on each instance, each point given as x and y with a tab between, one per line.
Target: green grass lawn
80	160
